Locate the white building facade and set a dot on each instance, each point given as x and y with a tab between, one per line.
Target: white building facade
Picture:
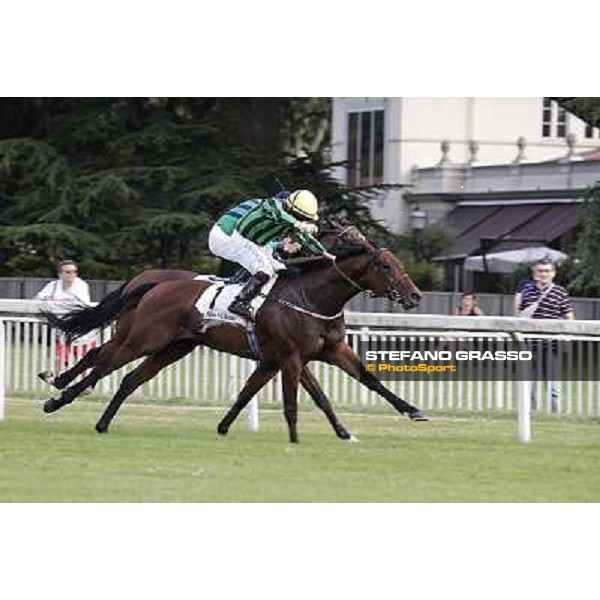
385	140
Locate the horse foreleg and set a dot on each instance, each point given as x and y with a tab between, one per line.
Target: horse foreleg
290	371
311	385
346	359
259	378
142	373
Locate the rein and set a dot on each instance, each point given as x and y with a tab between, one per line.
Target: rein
347	278
293	262
373	255
304	311
316	315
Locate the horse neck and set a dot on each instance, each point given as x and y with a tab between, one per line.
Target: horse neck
325	289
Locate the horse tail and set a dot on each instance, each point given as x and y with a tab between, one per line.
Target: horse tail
82	320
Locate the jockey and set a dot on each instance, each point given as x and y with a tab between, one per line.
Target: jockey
248	233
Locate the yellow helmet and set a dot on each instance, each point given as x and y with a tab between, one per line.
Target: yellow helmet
303	204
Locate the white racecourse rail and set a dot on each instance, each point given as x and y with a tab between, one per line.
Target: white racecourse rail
27	346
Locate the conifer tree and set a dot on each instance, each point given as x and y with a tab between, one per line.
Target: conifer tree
587	266
123	184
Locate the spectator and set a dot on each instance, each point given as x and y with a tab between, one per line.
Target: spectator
68	289
541	298
467	306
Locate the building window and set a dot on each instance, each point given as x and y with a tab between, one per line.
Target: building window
589	131
561	125
554	119
365	148
547	118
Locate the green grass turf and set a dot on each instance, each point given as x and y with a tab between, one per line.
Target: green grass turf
164	454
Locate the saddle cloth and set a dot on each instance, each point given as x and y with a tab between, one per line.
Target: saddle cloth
214	302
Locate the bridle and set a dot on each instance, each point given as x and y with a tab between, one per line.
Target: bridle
391	290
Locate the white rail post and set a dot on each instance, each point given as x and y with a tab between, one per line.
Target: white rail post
523	396
2	370
364	391
252	410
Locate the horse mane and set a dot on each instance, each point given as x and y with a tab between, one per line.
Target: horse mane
349	250
342	251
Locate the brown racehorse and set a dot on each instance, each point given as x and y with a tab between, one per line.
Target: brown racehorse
298	323
120	305
132	292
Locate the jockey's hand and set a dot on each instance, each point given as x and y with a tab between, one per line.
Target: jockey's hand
291	247
331	257
308	228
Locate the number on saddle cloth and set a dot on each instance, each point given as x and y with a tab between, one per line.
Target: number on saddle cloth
213	304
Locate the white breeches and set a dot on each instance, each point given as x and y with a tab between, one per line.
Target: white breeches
238	249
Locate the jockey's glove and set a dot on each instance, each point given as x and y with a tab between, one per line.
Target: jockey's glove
329	256
310	228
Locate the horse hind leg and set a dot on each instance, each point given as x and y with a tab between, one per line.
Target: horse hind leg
144	372
259	378
62	380
107	362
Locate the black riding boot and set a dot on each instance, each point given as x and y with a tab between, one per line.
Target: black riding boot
241	304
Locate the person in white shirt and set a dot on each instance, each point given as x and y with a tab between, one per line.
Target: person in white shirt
72	291
68	288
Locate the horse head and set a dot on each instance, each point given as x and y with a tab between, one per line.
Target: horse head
383	274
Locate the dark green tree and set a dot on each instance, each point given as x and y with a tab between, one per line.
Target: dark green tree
587	109
123	184
586	267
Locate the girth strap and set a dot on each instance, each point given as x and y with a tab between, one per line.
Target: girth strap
252	340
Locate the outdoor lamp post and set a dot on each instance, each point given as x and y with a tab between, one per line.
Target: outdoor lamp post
418	222
418	219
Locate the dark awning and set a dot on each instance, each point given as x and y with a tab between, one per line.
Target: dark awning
552	223
539	222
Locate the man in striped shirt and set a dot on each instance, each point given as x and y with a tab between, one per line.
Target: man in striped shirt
548	301
248	233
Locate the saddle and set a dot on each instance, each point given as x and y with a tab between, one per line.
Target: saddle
213	305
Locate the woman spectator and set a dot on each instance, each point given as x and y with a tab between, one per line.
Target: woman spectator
70	291
467	306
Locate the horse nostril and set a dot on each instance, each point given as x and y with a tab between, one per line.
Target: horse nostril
415	297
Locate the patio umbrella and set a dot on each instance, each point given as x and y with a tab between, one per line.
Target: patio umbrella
505	262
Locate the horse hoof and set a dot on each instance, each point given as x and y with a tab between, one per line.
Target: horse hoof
352	440
51	406
101	428
222	430
343	434
418	415
47	377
